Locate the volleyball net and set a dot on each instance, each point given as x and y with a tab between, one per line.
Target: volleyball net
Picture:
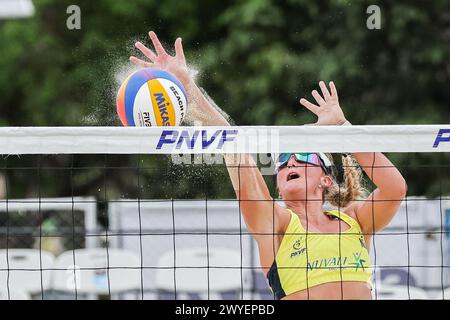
150	213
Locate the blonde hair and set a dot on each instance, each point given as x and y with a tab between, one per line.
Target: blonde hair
351	189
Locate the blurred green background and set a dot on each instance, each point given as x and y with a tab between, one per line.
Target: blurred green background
256	59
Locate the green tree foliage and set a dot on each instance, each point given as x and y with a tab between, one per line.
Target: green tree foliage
256	59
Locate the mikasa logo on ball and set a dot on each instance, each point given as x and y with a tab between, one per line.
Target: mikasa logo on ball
162	104
163	110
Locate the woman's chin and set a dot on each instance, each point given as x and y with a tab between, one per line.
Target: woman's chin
295	194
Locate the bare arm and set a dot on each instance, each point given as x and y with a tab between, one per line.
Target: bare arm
379	208
256	203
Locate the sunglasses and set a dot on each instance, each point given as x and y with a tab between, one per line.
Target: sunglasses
316	159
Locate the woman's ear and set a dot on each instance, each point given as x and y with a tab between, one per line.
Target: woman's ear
277	189
279	194
326	181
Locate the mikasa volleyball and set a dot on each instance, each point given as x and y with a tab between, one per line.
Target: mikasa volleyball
151	97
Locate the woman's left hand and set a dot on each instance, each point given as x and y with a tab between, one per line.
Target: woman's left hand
160	59
328	110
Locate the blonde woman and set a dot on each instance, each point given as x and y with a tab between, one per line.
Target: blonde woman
306	252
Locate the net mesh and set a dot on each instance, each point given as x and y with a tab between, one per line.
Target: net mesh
88	225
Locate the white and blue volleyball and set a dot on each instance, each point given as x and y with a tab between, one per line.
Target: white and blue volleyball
151	97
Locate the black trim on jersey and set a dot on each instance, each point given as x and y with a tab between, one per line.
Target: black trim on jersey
274	282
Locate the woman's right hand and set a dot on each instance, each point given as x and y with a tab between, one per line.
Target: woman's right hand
162	60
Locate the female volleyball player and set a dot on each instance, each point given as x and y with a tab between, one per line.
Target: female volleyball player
305	252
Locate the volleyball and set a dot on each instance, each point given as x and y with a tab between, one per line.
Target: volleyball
151	97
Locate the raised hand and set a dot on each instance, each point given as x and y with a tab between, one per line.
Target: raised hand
327	109
160	59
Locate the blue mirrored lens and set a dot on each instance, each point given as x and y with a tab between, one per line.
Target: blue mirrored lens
284	157
311	158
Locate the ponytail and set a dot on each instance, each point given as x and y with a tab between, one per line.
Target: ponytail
340	195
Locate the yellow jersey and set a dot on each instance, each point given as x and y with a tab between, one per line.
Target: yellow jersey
307	259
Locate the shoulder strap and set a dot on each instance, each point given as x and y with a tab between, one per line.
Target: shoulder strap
294	223
345	217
